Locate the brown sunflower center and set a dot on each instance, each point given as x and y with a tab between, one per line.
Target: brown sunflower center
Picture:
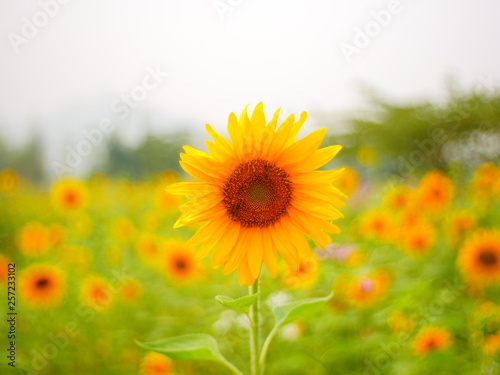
180	264
257	193
488	258
42	283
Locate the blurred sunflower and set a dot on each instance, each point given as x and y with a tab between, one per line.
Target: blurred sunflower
259	194
304	275
42	285
131	290
435	191
491	344
349	181
156	364
33	239
485	182
479	257
148	248
9	180
96	292
418	239
365	290
69	195
122	230
180	260
377	224
431	339
398	197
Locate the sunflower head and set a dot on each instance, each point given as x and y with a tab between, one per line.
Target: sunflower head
179	261
33	239
42	285
431	339
418	239
398	197
156	364
365	290
479	257
349	181
377	224
96	293
69	195
9	180
259	193
435	191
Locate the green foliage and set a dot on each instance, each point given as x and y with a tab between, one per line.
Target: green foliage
152	155
298	309
239	304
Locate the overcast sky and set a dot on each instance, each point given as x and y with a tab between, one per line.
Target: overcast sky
68	72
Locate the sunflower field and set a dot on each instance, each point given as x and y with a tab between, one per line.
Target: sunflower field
265	245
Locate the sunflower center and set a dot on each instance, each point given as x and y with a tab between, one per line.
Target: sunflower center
180	264
257	193
70	198
488	258
42	283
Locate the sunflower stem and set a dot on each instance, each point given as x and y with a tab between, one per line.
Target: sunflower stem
255	329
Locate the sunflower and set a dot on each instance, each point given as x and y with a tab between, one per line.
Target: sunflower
33	239
479	257
122	230
419	239
259	194
365	290
305	275
431	339
486	181
131	290
69	195
377	224
349	181
156	364
148	248
435	191
398	197
96	292
42	285
9	180
179	260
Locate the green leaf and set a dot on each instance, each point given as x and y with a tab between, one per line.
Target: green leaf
190	347
196	346
295	310
240	304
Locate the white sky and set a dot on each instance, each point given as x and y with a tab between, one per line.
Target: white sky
283	52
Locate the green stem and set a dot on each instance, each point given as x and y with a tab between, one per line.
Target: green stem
267	343
233	368
255	329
